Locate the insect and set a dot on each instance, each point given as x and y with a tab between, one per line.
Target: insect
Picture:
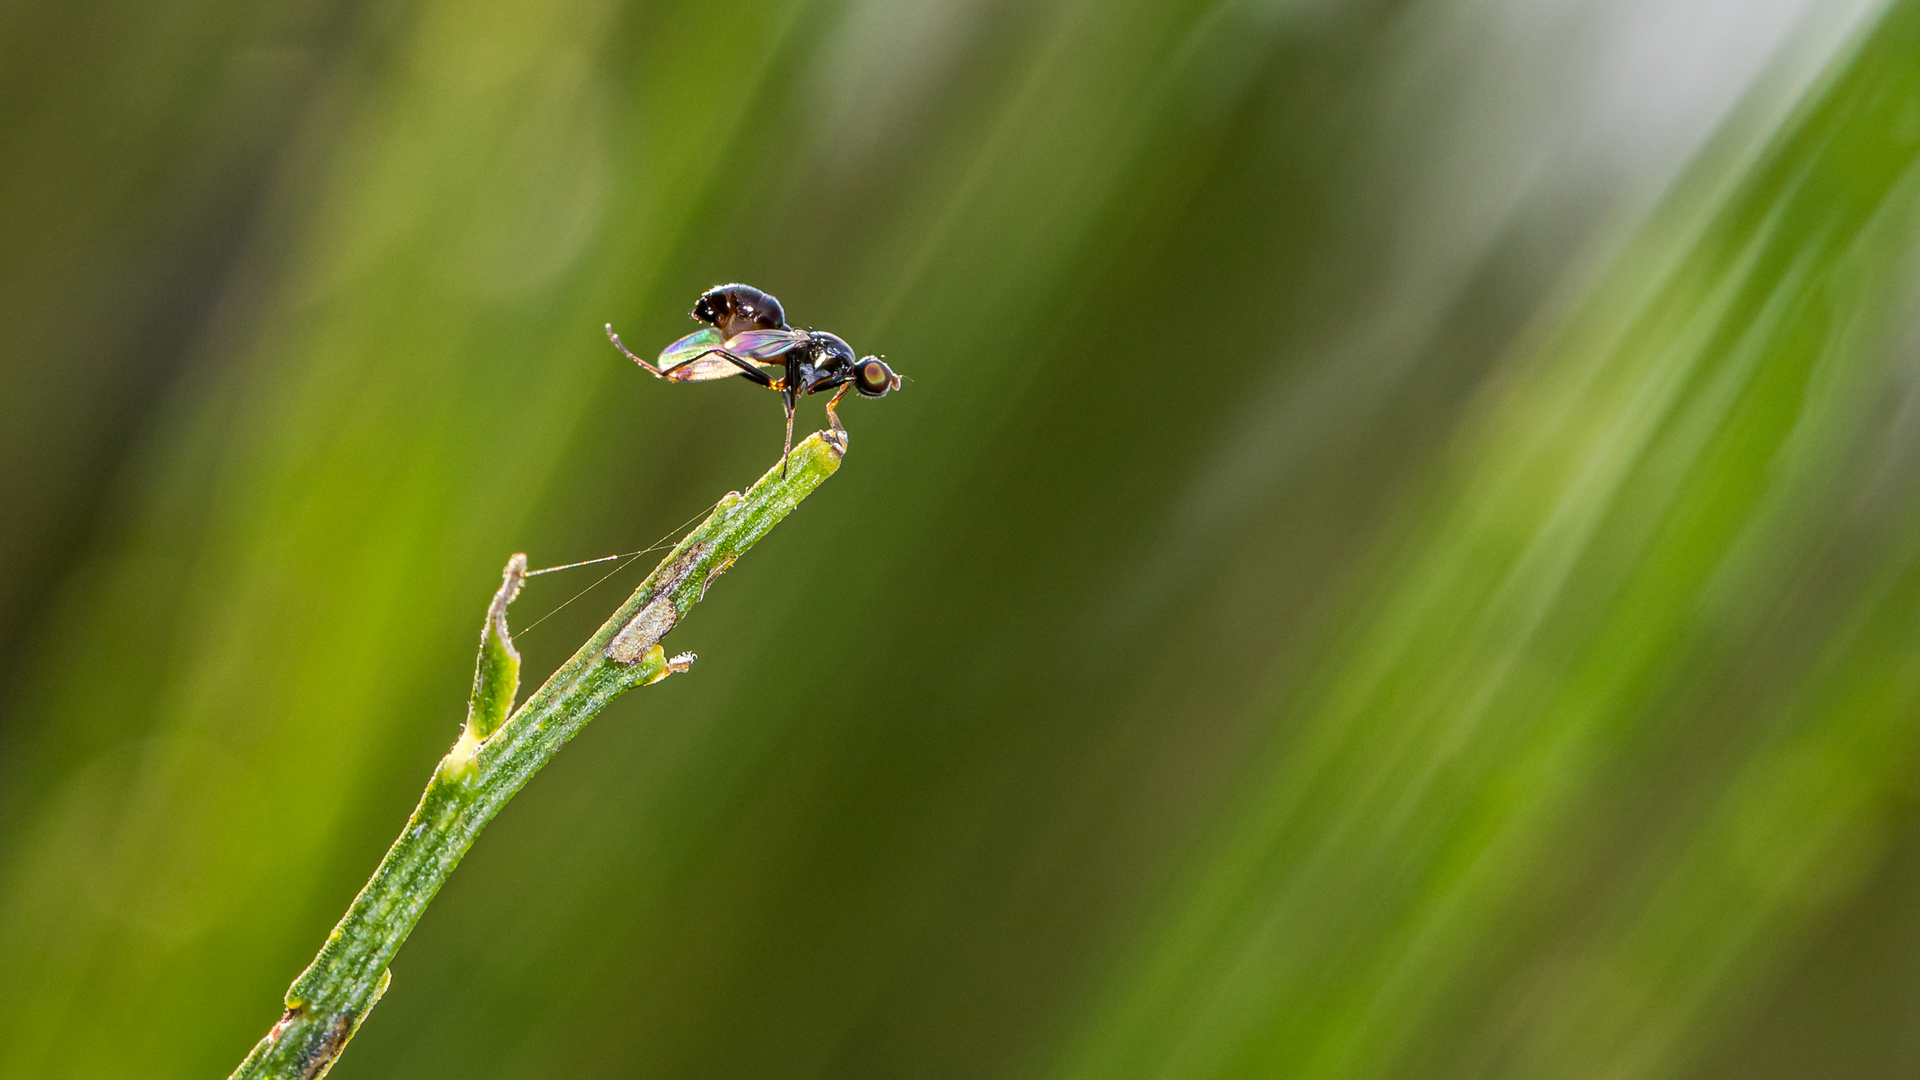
747	335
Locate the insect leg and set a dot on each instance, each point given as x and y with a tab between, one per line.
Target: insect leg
747	369
787	404
787	450
615	338
835	400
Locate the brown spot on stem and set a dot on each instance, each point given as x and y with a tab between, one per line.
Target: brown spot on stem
642	632
287	1020
676	572
320	1055
645	630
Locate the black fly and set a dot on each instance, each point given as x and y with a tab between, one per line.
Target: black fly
746	333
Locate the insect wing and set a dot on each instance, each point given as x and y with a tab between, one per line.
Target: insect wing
713	365
765	344
699	357
691	347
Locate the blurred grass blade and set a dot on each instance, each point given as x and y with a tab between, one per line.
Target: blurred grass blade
1630	699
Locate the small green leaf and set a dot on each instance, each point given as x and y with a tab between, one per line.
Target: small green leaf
496	676
496	673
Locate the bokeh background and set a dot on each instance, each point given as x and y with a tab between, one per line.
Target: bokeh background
1399	555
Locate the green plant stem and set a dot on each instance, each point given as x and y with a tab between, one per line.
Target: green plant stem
329	1000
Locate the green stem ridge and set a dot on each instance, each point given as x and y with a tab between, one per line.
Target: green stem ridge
494	759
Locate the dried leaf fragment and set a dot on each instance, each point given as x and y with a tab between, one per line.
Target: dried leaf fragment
669	665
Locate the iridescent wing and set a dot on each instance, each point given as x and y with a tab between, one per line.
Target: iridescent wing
765	344
705	369
698	343
698	357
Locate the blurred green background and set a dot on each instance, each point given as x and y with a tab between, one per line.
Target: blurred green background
1399	555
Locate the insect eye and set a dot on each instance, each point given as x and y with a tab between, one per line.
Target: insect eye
875	379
